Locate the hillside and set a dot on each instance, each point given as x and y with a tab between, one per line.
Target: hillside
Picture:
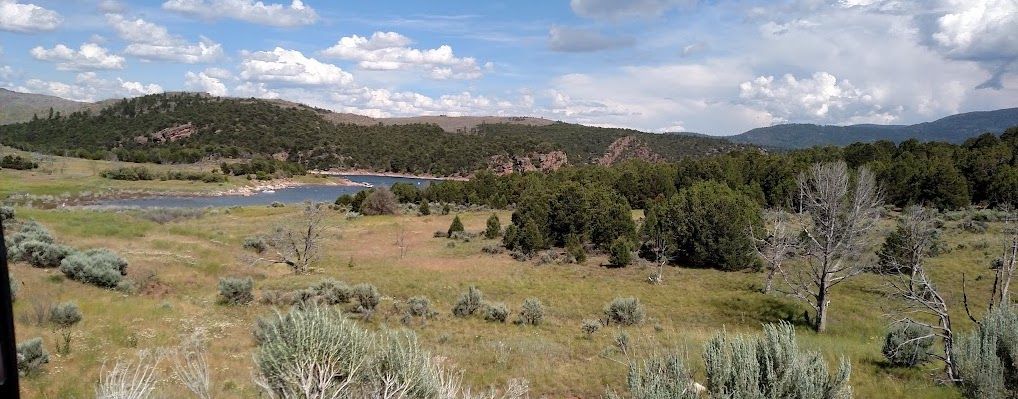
183	127
19	107
952	129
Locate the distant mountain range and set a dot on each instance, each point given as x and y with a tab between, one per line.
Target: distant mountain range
18	107
952	129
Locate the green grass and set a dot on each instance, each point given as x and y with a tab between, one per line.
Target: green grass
188	257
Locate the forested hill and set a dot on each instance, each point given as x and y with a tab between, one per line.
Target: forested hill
183	127
952	129
19	107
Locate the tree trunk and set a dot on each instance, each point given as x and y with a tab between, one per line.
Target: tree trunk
951	368
770	281
820	324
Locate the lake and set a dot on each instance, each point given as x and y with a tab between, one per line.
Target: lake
317	193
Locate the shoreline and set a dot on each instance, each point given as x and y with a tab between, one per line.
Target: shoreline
359	172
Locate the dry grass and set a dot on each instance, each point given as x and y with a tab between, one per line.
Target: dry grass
188	257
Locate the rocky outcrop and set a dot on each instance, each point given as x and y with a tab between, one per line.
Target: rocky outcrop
169	134
503	165
628	147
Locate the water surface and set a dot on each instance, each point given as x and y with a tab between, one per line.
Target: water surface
318	193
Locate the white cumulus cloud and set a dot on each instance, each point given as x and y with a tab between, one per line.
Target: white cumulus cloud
150	41
202	81
88	86
89	56
296	14
392	51
818	98
292	67
18	17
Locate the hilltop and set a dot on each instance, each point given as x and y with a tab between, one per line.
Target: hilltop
188	127
952	129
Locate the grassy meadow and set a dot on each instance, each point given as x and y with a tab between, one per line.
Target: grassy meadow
177	266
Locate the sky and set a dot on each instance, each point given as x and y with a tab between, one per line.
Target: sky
710	66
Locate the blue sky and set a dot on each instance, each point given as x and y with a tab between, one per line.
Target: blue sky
710	66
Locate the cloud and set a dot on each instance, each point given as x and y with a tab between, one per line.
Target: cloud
297	14
984	31
254	89
26	18
576	40
622	9
88	86
202	81
819	98
292	67
89	56
150	41
385	51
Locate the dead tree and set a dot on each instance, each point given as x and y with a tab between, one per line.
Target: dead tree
299	244
835	213
776	245
401	241
1004	267
922	303
657	240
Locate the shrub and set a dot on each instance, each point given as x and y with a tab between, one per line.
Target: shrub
64	315
624	311
496	312
309	344
419	306
621	252
6	213
424	209
532	312
367	297
42	254
235	291
590	326
494	228
100	267
256	244
31	356
771	366
277	204
455	227
17	162
380	201
908	344
332	292
661	377
986	357
468	302
319	347
31	231
446	208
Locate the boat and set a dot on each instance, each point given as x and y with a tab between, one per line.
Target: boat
269	191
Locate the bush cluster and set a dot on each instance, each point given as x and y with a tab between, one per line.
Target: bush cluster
380	201
624	311
235	290
468	303
31	356
908	344
531	312
99	266
135	173
496	312
64	315
17	162
367	297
